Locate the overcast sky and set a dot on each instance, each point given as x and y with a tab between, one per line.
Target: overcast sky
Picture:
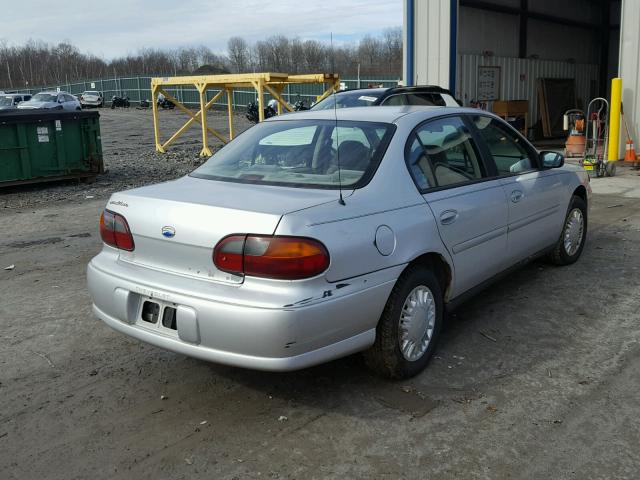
118	27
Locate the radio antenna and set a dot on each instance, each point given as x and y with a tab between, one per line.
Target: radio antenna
335	115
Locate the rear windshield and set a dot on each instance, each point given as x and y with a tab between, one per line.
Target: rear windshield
6	101
302	153
91	93
358	98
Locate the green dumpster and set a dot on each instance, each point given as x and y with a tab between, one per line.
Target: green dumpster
41	145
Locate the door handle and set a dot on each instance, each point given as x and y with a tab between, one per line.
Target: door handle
516	196
448	216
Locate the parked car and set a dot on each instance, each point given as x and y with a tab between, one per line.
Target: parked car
395	96
310	237
51	101
91	98
10	101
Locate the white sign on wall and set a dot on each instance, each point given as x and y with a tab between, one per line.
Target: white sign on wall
488	87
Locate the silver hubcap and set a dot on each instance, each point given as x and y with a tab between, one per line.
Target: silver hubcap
573	230
417	321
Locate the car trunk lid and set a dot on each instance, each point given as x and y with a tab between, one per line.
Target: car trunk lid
176	225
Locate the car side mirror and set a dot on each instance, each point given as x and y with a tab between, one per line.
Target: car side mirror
551	159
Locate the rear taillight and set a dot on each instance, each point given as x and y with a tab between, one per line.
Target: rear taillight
115	232
279	257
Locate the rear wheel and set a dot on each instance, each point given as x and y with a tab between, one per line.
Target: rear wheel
574	233
408	329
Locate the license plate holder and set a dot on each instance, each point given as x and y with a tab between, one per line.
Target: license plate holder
158	315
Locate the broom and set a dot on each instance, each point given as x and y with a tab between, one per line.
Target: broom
630	151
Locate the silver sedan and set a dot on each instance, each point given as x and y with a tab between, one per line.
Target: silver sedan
315	235
51	101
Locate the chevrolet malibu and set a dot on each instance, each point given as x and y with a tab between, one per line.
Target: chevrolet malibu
315	235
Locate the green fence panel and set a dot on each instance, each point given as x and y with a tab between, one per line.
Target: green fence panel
139	88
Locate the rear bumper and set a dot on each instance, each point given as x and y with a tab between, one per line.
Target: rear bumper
276	364
249	336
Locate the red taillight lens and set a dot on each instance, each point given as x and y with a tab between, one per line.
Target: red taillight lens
227	256
284	258
115	232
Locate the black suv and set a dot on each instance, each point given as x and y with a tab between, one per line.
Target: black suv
370	97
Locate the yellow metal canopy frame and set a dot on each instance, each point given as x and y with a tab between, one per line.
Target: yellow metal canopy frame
272	83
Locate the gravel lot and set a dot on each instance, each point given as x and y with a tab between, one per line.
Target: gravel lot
129	155
535	378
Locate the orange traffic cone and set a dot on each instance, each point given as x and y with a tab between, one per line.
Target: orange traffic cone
630	151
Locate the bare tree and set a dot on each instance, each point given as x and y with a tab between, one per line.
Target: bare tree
37	64
315	56
370	54
238	52
392	39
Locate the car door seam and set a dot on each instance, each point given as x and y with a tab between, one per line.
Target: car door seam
479	239
534	217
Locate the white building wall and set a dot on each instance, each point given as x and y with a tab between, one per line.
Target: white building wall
498	32
432	32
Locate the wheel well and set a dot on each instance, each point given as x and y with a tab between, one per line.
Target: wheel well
436	263
581	192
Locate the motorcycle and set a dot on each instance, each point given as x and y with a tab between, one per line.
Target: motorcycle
117	101
271	110
166	103
300	105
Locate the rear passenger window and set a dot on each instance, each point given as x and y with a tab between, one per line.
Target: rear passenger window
395	101
434	99
507	150
442	153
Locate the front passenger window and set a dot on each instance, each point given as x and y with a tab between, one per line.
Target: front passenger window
509	155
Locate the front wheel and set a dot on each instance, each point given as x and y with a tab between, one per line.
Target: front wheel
574	233
409	327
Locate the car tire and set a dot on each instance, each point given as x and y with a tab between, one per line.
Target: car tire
574	229
387	356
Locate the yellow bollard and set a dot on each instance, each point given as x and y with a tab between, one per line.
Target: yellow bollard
614	120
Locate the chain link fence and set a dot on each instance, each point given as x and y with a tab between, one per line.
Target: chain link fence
139	88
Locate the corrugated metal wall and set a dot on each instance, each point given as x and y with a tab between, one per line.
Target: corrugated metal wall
518	78
630	66
433	25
